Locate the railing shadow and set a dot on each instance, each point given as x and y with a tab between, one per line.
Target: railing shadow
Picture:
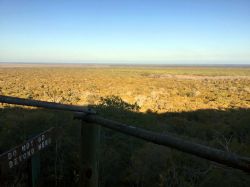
128	161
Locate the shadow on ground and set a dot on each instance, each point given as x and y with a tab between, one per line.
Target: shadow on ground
127	161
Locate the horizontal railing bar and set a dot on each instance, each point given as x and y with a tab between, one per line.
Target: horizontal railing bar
212	154
169	140
44	104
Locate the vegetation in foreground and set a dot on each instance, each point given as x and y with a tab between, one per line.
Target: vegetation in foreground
213	110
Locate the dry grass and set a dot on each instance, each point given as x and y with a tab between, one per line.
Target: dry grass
161	90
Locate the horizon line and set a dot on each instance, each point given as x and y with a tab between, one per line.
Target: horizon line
127	64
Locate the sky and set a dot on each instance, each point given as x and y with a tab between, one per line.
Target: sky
118	31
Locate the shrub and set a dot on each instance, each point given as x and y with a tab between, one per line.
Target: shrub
118	103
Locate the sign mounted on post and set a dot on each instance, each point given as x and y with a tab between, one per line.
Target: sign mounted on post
21	153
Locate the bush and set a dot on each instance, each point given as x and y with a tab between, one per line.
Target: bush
118	103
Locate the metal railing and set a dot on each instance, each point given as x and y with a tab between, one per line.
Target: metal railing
90	139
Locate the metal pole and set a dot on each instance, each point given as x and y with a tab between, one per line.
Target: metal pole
35	169
44	104
89	150
89	134
170	140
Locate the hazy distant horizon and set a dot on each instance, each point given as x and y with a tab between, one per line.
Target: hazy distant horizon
188	62
106	64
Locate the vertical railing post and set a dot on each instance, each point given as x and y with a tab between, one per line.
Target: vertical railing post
33	170
89	153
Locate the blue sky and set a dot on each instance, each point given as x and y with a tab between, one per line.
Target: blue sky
180	31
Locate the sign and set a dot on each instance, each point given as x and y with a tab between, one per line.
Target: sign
21	153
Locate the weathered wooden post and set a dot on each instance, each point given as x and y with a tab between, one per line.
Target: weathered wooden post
89	152
33	167
34	170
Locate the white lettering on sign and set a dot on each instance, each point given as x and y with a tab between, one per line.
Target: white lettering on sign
32	151
15	161
23	148
14	153
20	158
26	150
9	156
10	164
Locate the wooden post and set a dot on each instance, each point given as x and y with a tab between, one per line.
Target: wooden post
89	151
35	169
